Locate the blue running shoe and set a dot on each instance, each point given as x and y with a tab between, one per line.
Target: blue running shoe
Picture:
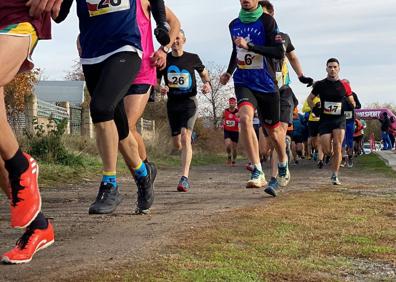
272	187
183	185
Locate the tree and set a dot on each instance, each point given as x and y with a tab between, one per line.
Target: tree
17	91
213	104
76	73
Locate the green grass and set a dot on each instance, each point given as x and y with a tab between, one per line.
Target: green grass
371	163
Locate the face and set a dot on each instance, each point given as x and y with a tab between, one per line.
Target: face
333	69
179	42
249	4
232	104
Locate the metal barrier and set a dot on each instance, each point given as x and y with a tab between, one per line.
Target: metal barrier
45	109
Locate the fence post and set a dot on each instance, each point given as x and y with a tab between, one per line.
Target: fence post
30	112
66	105
87	128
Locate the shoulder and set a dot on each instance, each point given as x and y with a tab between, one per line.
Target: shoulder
233	22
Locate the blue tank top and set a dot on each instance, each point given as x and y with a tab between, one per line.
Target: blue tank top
254	71
106	26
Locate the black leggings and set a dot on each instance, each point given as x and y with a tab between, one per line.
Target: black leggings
107	83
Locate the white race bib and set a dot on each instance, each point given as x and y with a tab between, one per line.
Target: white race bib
279	78
249	60
178	80
101	7
348	114
332	108
230	123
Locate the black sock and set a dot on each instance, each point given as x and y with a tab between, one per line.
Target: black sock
40	222
17	165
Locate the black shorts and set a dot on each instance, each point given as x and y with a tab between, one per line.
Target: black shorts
267	104
233	135
327	126
358	139
297	138
182	113
286	105
313	128
138	89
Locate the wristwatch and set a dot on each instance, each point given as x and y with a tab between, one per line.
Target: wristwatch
250	45
165	49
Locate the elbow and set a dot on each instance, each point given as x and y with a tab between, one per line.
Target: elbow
280	53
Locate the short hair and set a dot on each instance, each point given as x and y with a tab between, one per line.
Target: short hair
182	32
267	5
332	60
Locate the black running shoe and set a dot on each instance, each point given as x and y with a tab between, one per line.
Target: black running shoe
327	160
153	169
107	200
320	164
145	193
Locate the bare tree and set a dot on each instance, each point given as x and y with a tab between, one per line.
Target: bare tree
76	73
213	104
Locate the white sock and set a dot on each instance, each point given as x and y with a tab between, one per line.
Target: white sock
258	166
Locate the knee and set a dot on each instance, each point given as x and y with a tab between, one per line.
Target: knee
185	139
101	113
246	121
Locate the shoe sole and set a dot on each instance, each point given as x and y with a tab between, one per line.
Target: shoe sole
181	189
270	191
39	248
39	208
251	185
106	211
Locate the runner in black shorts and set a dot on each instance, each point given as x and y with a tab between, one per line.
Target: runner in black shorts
181	88
231	130
331	91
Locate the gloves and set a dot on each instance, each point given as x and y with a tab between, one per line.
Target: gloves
162	34
317	109
306	80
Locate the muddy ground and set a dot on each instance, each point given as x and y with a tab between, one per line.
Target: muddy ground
85	243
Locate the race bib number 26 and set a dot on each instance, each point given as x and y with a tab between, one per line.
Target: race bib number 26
101	7
179	80
332	108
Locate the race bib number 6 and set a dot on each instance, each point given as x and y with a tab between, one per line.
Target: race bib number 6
332	108
249	60
179	80
101	7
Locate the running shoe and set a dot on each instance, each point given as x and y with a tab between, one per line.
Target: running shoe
228	163
153	170
107	200
327	160
145	192
32	241
335	180
320	164
272	187
233	163
183	185
257	179
25	196
315	156
350	162
283	175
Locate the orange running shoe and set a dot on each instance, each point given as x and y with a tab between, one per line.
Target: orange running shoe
25	196
32	241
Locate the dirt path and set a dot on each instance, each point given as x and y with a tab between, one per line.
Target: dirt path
86	243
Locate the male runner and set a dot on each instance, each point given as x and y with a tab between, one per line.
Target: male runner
255	41
22	24
331	91
181	88
111	48
350	128
231	130
288	100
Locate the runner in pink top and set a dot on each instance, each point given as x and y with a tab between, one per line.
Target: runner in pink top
138	94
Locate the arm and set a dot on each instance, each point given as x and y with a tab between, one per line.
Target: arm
174	24
358	105
310	101
64	11
351	101
159	14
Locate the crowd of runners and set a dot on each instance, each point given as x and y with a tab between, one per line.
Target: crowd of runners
121	68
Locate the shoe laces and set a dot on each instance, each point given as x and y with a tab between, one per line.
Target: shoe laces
255	173
24	240
16	187
104	191
272	182
282	171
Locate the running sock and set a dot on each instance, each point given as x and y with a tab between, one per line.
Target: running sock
17	165
40	222
258	166
140	171
282	164
110	177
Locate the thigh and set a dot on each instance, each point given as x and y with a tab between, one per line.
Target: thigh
268	108
245	97
134	106
286	105
190	114
174	118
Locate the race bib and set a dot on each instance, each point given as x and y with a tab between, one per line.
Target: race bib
179	80
101	7
249	60
348	114
279	78
332	108
230	123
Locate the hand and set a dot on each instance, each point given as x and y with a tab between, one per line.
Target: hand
306	80
241	43
317	109
37	7
224	78
206	88
158	59
162	34
164	90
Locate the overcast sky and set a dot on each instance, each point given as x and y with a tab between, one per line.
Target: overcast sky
360	33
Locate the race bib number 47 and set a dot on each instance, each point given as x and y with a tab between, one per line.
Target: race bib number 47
332	108
249	60
101	7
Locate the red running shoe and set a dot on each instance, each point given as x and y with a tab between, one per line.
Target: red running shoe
32	241
25	196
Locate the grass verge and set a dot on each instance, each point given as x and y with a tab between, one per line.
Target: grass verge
371	163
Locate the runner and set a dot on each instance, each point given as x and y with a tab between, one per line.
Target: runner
255	40
231	131
358	136
181	88
349	129
138	94
19	33
110	42
297	136
331	92
288	100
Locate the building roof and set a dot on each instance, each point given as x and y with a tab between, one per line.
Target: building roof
60	91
